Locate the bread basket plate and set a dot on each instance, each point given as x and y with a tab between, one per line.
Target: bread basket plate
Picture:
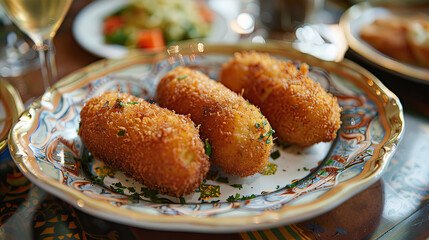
365	13
300	184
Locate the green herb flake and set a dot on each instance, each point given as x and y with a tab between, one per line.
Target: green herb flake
305	169
152	195
268	134
288	186
257	125
119	185
135	197
182	200
329	161
97	180
121	133
233	198
131	189
278	186
122	104
208	148
239	186
132	103
222	179
248	197
322	172
182	77
274	155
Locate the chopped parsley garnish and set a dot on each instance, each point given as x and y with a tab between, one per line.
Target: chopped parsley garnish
119	185
305	169
222	179
132	103
97	180
135	197
182	77
257	125
208	148
232	198
248	197
268	134
290	185
182	200
329	161
151	194
131	189
118	104
278	186
239	186
322	172
118	190
121	133
274	155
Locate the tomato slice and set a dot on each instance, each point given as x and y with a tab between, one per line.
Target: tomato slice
150	38
112	24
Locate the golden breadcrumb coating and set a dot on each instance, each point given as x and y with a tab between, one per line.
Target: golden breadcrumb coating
298	108
240	136
155	146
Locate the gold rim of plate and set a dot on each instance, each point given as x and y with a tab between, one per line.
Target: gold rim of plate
13	105
365	50
391	116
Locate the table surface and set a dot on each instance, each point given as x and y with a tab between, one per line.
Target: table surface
395	207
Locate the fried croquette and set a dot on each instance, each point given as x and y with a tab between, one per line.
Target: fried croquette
240	136
298	108
155	146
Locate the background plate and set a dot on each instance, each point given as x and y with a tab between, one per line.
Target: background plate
299	185
364	13
88	30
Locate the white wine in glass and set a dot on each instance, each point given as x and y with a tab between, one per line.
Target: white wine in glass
40	20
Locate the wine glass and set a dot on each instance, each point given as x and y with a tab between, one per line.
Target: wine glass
40	20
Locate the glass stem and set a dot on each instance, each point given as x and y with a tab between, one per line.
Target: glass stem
47	62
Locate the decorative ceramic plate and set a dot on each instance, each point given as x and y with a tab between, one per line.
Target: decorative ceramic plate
87	29
298	183
10	108
364	13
